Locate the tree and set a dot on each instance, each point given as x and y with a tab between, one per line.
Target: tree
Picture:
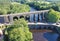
19	31
3	2
13	7
53	16
19	8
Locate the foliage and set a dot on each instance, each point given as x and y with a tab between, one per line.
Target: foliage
5	1
18	8
53	16
13	8
19	31
40	5
56	7
43	5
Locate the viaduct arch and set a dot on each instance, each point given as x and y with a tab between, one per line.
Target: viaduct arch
30	16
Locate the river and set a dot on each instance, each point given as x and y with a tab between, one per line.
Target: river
47	35
32	9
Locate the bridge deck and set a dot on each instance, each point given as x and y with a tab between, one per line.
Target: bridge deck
39	23
44	24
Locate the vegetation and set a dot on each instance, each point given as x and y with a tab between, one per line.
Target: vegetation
56	7
53	16
5	1
42	5
13	8
18	32
19	8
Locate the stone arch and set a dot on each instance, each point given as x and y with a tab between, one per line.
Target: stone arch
44	27
21	16
27	18
49	27
9	18
15	18
39	27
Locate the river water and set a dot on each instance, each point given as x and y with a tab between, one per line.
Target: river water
47	35
32	9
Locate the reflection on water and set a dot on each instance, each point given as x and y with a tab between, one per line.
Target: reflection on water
51	36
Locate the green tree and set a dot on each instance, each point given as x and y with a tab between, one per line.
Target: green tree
53	16
13	7
19	31
19	8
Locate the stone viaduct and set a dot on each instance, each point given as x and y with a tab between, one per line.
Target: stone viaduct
30	16
36	20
